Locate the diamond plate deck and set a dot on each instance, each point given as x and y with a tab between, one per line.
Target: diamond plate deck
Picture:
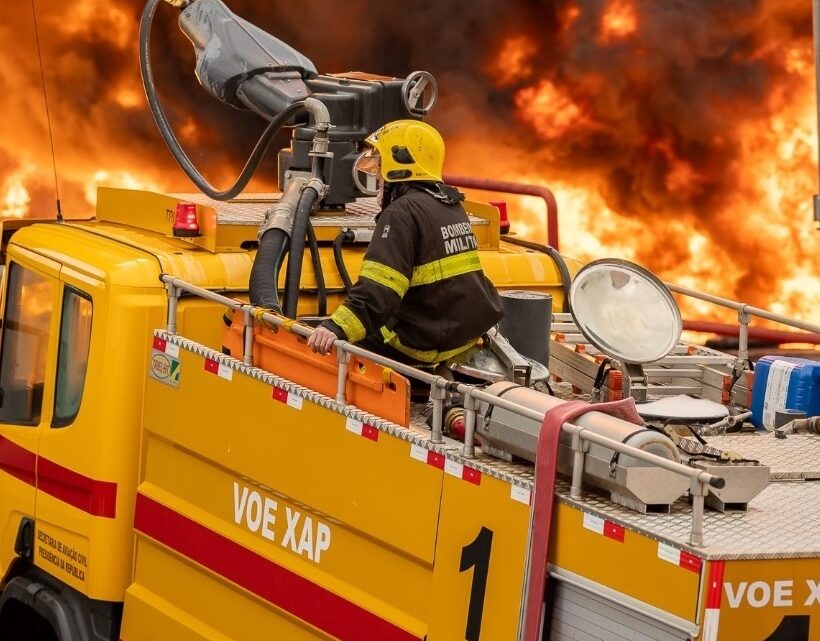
782	522
250	211
796	457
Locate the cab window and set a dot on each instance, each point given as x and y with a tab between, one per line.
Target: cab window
72	358
29	299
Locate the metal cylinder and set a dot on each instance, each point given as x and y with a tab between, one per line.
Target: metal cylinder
786	416
526	322
519	435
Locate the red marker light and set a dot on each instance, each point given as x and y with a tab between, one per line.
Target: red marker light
504	220
185	222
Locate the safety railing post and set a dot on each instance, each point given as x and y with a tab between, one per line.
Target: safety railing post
699	491
468	451
743	318
579	447
247	335
438	394
173	299
341	379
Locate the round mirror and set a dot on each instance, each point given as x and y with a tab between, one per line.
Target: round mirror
625	311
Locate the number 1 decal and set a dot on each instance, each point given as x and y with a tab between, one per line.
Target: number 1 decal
791	628
476	555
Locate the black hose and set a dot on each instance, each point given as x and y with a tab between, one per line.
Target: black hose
264	280
307	201
318	271
338	256
168	134
566	279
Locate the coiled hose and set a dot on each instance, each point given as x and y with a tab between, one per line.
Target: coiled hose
307	203
171	140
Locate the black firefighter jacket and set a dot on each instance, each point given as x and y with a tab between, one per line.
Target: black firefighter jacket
421	289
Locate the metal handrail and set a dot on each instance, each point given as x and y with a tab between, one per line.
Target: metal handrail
743	307
744	315
439	386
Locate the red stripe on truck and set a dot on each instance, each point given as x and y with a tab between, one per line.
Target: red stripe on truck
714	591
18	461
280	587
98	498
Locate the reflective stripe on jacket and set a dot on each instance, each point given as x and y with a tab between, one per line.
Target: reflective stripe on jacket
421	288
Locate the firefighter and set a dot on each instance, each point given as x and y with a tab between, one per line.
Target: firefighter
421	296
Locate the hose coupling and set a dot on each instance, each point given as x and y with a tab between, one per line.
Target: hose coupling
321	119
281	215
317	185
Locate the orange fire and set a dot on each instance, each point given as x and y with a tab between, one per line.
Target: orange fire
721	206
682	138
551	112
15	202
514	63
619	20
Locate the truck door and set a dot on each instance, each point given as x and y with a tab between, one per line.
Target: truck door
75	507
27	348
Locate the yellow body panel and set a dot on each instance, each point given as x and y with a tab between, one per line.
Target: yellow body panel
479	524
396	528
379	505
623	565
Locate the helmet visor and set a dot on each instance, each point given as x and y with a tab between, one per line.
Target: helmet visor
370	163
367	172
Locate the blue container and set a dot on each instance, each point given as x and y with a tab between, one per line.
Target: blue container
782	382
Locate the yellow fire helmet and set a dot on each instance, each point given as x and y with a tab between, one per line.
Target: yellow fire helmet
409	150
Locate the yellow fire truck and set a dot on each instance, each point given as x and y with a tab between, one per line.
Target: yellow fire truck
177	464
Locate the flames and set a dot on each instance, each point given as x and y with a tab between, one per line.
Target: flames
16	199
707	180
678	135
619	20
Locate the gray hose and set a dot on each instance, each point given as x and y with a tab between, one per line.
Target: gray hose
171	140
307	203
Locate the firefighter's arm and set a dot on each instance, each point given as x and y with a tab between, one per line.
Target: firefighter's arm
383	280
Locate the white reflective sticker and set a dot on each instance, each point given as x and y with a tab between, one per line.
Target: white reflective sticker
225	372
520	494
295	401
669	553
352	425
451	467
594	523
419	453
172	350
